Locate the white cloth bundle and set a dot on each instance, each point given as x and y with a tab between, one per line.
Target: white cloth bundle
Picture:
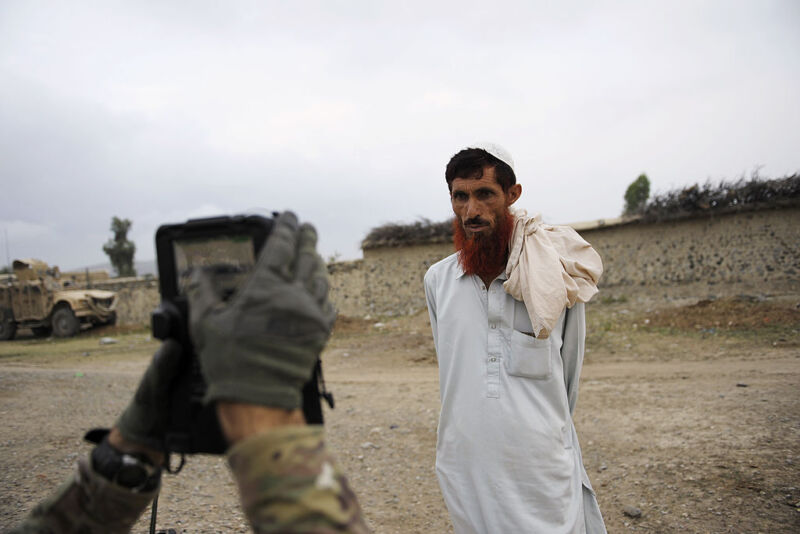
549	267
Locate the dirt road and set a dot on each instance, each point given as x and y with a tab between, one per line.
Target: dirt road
696	426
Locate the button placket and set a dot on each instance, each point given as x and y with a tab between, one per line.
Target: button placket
494	344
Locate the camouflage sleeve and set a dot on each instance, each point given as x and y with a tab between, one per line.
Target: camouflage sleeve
289	483
86	503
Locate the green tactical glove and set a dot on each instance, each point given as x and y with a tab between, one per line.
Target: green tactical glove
144	421
261	346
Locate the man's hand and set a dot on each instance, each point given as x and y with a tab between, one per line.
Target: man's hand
141	426
260	347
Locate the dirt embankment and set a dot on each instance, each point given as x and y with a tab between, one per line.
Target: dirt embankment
689	416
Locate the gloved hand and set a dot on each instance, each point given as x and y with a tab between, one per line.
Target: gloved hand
261	346
144	421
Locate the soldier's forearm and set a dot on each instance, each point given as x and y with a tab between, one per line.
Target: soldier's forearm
241	420
289	483
87	503
118	441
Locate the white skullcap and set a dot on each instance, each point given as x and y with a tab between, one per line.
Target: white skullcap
497	151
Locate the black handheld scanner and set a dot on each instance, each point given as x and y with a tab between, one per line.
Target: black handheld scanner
227	247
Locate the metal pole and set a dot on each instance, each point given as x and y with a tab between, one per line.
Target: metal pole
153	515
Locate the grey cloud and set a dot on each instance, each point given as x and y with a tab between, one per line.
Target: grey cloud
347	112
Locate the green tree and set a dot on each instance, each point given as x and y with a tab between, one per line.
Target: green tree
636	195
120	251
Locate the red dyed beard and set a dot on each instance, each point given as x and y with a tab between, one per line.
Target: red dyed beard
484	255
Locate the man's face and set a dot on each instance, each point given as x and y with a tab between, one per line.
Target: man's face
480	203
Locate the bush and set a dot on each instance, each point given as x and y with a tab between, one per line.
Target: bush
422	232
737	195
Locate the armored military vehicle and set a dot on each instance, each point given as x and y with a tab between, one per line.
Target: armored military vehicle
34	297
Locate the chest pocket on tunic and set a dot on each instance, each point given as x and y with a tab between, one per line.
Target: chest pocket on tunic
530	357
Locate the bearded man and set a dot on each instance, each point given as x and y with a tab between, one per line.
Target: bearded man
508	323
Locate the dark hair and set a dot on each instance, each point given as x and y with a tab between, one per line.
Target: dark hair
469	163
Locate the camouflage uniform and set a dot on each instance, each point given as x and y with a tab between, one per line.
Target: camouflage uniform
87	503
288	482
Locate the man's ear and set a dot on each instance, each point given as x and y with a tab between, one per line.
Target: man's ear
513	194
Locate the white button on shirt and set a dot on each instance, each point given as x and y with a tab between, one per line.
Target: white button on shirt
507	455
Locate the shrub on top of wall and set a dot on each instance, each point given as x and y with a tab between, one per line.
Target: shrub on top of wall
740	195
422	232
695	200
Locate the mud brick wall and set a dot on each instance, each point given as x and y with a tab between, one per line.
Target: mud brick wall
348	287
751	253
138	297
393	277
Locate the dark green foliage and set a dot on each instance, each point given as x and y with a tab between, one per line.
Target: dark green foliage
5	270
636	195
120	251
422	232
740	195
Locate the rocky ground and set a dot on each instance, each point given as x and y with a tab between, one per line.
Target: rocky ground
689	418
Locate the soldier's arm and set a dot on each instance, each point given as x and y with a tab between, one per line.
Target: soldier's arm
274	330
288	481
87	503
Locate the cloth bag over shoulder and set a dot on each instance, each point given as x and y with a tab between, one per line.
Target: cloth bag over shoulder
549	267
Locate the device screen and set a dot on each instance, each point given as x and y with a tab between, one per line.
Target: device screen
228	258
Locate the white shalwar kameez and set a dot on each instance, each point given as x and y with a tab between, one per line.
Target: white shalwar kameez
507	455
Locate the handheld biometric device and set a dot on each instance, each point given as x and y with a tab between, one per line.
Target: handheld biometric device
227	248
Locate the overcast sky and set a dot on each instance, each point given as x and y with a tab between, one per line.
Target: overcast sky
347	111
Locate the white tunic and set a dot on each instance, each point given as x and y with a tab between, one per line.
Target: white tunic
507	455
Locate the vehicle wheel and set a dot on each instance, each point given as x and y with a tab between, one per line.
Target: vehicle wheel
41	331
7	329
65	324
112	321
